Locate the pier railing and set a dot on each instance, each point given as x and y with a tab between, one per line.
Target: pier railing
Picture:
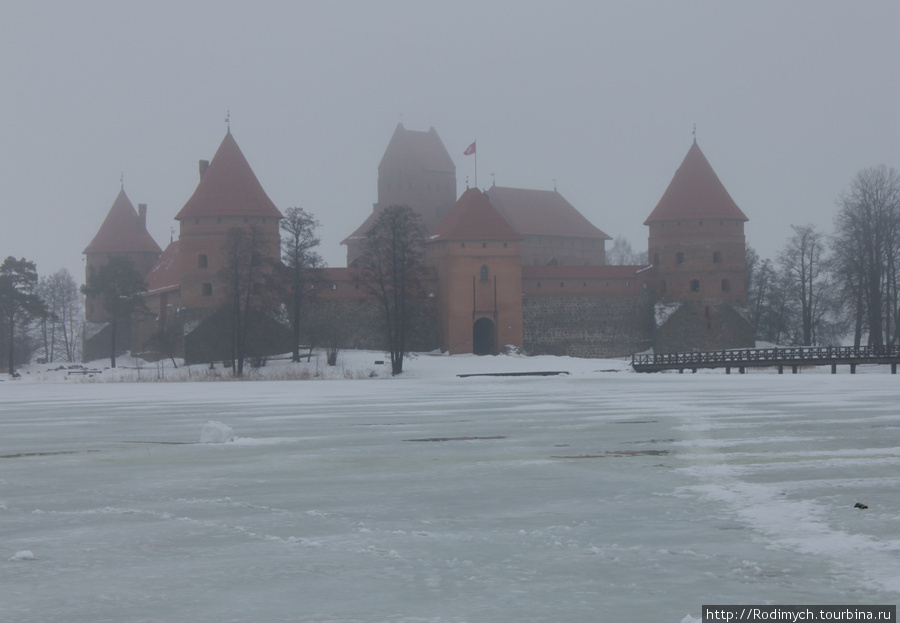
795	356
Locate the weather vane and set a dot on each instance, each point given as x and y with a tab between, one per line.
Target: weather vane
228	120
122	179
694	133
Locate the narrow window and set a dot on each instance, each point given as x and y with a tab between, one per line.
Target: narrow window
717	257
484	245
484	273
656	259
202	261
207	289
695	285
679	258
726	285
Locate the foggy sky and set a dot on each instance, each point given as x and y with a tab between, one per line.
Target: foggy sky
790	100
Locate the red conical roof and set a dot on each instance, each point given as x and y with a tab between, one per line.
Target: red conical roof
122	231
229	187
474	218
695	193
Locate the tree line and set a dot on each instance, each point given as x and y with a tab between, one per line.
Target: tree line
826	289
40	317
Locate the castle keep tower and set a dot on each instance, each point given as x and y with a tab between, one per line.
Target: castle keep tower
697	249
228	196
416	171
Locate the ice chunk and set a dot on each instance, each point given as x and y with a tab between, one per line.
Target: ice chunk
23	555
216	432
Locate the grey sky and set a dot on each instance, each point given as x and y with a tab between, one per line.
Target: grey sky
790	99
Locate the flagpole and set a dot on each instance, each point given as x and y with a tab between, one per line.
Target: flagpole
472	151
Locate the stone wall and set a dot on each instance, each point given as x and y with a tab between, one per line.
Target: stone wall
587	326
359	324
704	325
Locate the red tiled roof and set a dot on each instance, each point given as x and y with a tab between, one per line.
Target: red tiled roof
695	193
414	149
164	276
229	188
122	231
542	213
362	231
474	218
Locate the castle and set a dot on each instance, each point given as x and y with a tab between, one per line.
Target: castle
508	266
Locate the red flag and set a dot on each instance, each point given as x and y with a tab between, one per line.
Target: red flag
470	149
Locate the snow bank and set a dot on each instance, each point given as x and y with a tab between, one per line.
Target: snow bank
23	555
216	432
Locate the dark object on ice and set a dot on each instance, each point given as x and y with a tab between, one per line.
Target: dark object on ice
457	438
615	453
546	373
860	505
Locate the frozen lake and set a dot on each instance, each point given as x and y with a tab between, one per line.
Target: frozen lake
596	496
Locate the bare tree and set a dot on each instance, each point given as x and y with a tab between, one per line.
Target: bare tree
804	263
621	253
120	287
61	327
391	272
247	277
297	243
866	247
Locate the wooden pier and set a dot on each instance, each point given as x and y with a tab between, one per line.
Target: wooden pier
781	358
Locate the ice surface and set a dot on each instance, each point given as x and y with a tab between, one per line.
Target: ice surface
594	496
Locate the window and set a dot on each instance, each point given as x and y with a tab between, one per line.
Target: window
202	261
484	273
484	245
207	289
679	257
695	285
717	257
726	285
656	259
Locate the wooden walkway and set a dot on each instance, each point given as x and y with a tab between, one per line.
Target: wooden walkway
780	358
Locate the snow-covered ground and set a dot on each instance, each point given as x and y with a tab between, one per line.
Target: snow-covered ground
601	495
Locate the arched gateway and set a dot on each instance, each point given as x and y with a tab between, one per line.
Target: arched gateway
483	337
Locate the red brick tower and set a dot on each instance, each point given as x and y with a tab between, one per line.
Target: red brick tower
479	269
123	233
416	171
228	196
697	249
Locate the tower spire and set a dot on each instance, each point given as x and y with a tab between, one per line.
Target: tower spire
228	120
694	134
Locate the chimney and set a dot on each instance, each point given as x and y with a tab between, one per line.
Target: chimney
204	165
142	217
